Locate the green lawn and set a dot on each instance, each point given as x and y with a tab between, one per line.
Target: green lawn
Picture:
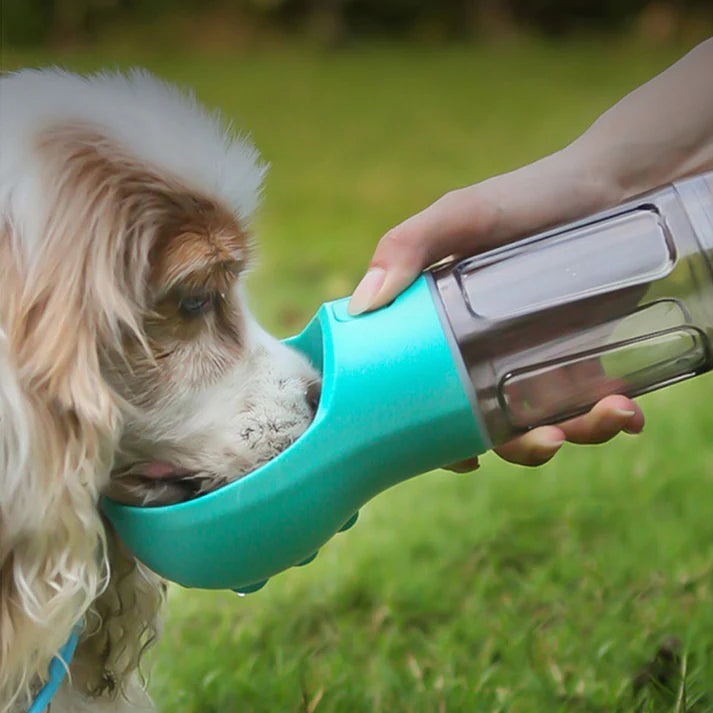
506	590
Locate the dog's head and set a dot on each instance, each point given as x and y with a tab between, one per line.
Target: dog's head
129	362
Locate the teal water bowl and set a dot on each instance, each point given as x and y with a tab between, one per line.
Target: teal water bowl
392	406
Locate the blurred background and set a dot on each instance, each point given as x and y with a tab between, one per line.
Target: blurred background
585	585
337	22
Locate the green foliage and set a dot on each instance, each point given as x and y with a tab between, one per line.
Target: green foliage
585	586
24	22
331	21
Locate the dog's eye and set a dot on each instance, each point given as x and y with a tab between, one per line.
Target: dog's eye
195	305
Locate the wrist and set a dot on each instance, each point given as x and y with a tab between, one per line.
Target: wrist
593	176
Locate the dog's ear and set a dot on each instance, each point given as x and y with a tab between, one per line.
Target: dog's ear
75	253
122	624
59	420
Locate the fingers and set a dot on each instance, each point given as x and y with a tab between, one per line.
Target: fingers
534	447
464	466
609	417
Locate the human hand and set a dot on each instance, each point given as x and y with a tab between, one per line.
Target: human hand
482	216
658	133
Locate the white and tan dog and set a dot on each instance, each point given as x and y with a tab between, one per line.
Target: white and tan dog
129	362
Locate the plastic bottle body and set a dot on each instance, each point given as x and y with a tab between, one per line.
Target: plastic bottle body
621	302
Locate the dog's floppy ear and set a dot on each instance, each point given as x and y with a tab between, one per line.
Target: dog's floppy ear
58	419
73	276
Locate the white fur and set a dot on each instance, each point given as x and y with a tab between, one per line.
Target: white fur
225	429
167	129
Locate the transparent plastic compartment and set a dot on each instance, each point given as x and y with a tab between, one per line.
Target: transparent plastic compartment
621	302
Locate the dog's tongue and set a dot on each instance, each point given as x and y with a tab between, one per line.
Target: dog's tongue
159	470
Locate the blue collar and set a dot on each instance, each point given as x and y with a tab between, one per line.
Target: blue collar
58	670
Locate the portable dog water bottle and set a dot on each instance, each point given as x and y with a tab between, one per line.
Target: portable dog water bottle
472	354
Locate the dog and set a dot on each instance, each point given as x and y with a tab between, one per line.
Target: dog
130	364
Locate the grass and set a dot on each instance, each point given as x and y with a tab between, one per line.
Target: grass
585	585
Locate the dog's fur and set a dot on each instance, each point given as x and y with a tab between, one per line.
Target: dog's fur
129	362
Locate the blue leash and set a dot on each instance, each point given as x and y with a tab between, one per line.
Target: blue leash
58	670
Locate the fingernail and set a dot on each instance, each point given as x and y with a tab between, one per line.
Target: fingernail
627	414
366	291
624	413
555	443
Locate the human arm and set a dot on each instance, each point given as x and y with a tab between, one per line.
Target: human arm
660	132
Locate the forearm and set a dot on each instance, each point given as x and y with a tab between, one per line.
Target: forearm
658	133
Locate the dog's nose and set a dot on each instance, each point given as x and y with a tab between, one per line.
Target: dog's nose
314	392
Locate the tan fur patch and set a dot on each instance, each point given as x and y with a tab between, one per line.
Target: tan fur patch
107	245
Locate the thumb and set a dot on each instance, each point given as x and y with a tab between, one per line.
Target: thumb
404	251
469	220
